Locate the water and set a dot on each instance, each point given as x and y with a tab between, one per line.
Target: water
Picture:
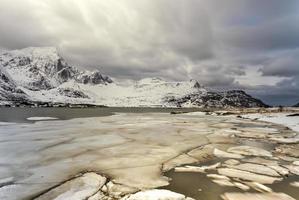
21	114
200	187
196	185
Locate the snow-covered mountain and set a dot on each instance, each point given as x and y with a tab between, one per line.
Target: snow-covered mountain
39	75
43	69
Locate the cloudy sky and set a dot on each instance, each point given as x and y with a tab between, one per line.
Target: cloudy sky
243	44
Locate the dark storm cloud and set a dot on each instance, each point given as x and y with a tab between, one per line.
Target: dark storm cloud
274	35
214	41
285	64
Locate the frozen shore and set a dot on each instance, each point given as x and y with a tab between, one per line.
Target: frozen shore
290	120
123	153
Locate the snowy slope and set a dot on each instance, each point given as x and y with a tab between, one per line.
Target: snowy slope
146	92
41	75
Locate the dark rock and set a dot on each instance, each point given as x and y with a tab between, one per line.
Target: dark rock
69	92
293	115
233	98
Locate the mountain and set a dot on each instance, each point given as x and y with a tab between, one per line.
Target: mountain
44	69
232	98
297	105
36	74
41	75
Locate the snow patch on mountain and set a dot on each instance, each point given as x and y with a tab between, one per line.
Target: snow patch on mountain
146	92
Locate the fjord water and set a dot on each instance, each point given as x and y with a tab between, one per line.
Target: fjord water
19	114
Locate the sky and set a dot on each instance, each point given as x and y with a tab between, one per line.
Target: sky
241	44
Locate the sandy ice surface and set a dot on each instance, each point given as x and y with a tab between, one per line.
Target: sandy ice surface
131	149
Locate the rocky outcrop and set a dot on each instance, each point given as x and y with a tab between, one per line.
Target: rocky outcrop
93	78
233	98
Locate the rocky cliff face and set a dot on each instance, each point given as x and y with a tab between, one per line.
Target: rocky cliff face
233	98
39	75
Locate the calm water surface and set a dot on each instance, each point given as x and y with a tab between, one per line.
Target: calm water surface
21	114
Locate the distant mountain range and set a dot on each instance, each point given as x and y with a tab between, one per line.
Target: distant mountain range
38	76
297	105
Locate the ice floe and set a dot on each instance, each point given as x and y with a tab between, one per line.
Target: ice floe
255	168
295	184
223	154
255	196
41	118
157	194
201	169
247	176
231	162
259	187
249	151
76	189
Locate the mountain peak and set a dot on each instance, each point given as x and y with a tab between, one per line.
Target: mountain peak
195	83
31	53
34	51
42	68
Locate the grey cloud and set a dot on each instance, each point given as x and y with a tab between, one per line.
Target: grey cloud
285	64
18	28
214	74
212	41
281	94
276	35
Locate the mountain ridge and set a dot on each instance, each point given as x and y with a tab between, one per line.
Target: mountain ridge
41	75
